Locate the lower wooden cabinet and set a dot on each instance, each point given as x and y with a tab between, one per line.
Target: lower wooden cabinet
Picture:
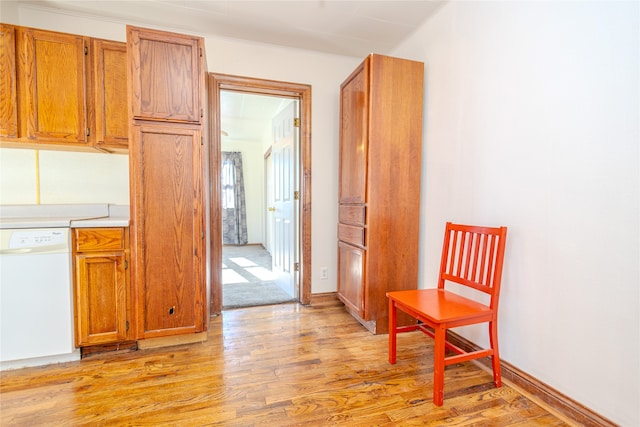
351	280
101	285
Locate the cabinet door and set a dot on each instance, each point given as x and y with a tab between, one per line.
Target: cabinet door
167	75
101	303
110	94
51	86
354	100
167	205
351	277
8	94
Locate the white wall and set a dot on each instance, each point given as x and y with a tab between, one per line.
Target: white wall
63	177
322	71
532	122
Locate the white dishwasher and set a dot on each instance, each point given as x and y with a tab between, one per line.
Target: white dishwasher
36	308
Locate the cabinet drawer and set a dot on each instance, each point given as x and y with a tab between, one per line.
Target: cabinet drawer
98	239
351	234
350	214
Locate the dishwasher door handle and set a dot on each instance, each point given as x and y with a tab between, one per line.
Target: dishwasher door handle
41	250
19	251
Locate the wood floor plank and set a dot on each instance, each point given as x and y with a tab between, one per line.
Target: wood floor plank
282	365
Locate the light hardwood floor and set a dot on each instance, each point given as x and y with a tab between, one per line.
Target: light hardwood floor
276	365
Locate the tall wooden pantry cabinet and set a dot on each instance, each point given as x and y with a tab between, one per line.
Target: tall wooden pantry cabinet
379	185
167	155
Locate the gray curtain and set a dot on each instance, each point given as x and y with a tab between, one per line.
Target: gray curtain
234	211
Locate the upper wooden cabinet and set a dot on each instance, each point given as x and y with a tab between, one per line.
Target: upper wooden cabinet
110	94
379	185
51	89
168	77
354	102
62	90
8	88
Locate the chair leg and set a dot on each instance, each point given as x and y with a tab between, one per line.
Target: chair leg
392	331
495	360
440	335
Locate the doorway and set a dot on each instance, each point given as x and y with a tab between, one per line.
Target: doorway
258	132
300	94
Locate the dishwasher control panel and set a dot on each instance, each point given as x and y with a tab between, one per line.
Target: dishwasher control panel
37	240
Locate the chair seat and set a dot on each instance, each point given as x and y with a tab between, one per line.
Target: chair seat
439	306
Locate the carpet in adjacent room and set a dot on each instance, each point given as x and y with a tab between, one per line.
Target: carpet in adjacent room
247	278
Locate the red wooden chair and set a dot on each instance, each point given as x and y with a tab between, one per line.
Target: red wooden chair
472	257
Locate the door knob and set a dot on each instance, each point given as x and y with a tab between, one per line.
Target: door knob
271	209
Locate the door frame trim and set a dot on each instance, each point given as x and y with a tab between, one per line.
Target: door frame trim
302	92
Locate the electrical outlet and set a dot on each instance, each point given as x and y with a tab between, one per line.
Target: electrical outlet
324	273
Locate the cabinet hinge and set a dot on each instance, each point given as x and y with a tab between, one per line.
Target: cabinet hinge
86	50
202	140
296	122
127	325
296	266
296	195
202	112
87	131
200	52
126	264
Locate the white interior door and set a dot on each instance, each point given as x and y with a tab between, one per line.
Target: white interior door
268	190
284	153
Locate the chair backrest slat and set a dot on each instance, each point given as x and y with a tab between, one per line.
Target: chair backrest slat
473	256
483	261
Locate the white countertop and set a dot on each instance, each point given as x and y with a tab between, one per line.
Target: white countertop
110	221
118	217
63	215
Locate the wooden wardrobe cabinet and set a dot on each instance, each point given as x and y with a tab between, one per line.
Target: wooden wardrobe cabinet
381	105
101	285
8	85
167	155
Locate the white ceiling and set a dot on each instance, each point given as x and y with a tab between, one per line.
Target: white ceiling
247	117
354	28
342	27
